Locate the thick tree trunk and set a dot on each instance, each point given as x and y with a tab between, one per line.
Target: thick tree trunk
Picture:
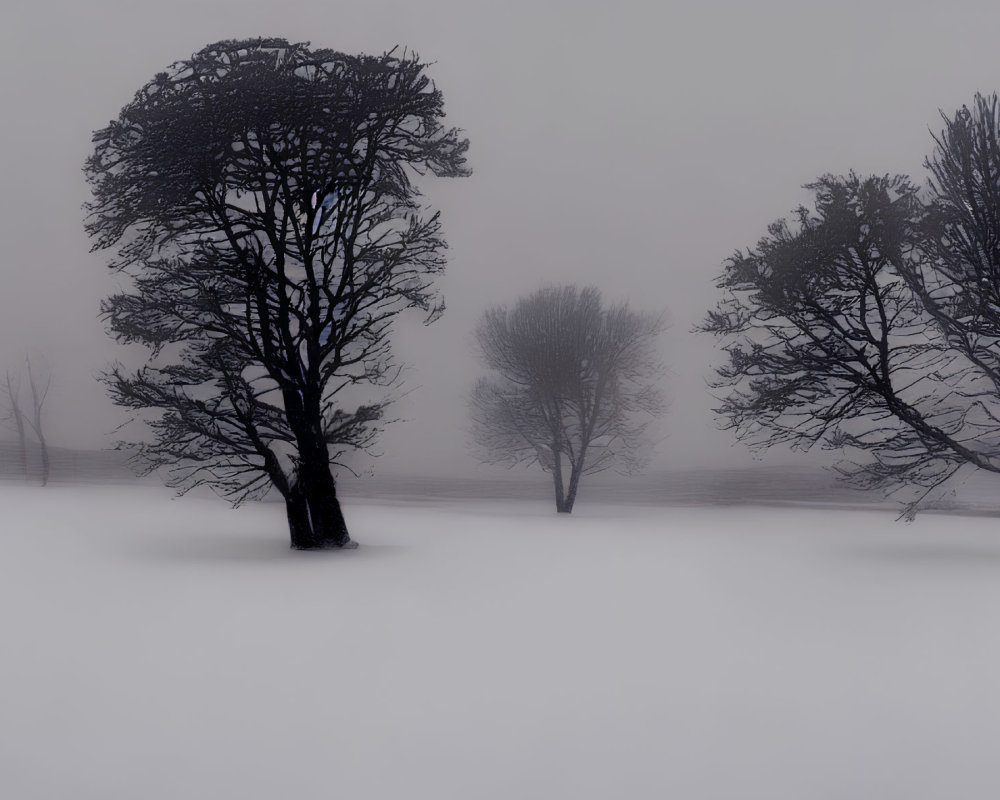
315	521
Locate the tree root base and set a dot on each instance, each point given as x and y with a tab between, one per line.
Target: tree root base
348	545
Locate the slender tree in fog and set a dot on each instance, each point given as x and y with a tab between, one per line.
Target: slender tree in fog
17	416
873	324
13	417
39	385
573	389
260	196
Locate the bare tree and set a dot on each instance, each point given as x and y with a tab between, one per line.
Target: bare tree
13	417
573	386
21	420
857	330
260	196
39	391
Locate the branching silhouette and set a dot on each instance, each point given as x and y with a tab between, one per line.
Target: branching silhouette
260	196
573	386
873	324
13	417
16	416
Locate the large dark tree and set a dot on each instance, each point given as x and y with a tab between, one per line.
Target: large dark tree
573	386
260	197
873	323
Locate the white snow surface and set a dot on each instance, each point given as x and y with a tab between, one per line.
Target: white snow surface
157	648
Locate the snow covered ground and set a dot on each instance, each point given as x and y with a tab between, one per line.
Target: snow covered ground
157	648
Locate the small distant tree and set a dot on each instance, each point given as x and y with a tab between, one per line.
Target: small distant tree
39	385
260	197
13	417
17	417
574	386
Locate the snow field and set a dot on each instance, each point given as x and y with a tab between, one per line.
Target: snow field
157	648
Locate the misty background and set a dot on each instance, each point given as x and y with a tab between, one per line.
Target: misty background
631	147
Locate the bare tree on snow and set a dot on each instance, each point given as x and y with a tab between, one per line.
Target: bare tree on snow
574	386
21	419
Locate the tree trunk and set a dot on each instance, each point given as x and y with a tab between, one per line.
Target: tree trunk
22	442
44	450
14	406
38	395
557	481
574	484
315	521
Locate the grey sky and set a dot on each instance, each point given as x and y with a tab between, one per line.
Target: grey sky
631	146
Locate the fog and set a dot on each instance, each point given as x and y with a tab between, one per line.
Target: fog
632	147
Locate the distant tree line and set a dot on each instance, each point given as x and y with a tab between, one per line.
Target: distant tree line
870	323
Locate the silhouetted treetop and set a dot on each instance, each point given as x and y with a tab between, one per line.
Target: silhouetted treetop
253	116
